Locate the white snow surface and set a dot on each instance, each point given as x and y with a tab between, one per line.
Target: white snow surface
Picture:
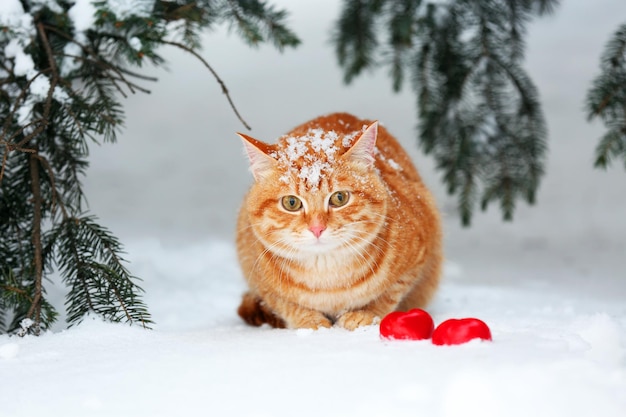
555	352
551	285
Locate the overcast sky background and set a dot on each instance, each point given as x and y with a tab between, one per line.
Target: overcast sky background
178	173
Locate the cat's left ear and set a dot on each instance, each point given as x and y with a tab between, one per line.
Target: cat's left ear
363	149
261	164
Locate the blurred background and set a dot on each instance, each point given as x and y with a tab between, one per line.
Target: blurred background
178	173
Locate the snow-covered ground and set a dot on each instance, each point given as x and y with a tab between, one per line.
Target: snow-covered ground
556	352
551	285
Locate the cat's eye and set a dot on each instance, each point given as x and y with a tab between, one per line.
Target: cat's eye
291	203
339	198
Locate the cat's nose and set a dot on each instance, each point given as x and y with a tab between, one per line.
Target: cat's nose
317	229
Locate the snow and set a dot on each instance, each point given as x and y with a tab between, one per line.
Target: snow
551	285
13	17
135	43
83	15
394	164
37	5
389	161
123	9
310	157
72	52
23	64
9	350
349	138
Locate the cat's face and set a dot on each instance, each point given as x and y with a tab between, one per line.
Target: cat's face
310	200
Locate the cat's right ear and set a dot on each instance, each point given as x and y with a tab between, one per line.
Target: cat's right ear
364	148
261	164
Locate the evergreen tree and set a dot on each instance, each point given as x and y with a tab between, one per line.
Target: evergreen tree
478	110
607	99
64	67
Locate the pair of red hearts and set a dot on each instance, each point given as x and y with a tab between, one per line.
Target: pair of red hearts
417	324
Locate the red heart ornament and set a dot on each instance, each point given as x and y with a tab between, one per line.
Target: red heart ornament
414	324
458	331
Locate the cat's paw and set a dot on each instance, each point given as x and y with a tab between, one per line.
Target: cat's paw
353	319
312	320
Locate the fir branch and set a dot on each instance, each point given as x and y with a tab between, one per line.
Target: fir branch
91	265
117	69
16	299
402	33
607	100
44	157
249	31
477	109
611	146
543	7
253	15
355	37
34	311
99	60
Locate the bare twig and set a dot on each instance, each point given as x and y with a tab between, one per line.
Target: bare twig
5	156
106	66
16	290
4	163
46	45
56	197
217	77
40	123
132	86
140	76
176	13
34	312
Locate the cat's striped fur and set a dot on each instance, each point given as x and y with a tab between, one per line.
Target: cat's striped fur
338	228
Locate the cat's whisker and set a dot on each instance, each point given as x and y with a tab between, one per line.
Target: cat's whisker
365	242
284	260
383	226
268	249
360	256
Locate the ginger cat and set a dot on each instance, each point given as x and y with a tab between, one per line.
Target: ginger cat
338	228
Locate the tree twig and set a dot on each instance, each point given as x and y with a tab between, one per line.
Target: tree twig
56	197
106	66
16	105
34	312
137	75
4	162
215	75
